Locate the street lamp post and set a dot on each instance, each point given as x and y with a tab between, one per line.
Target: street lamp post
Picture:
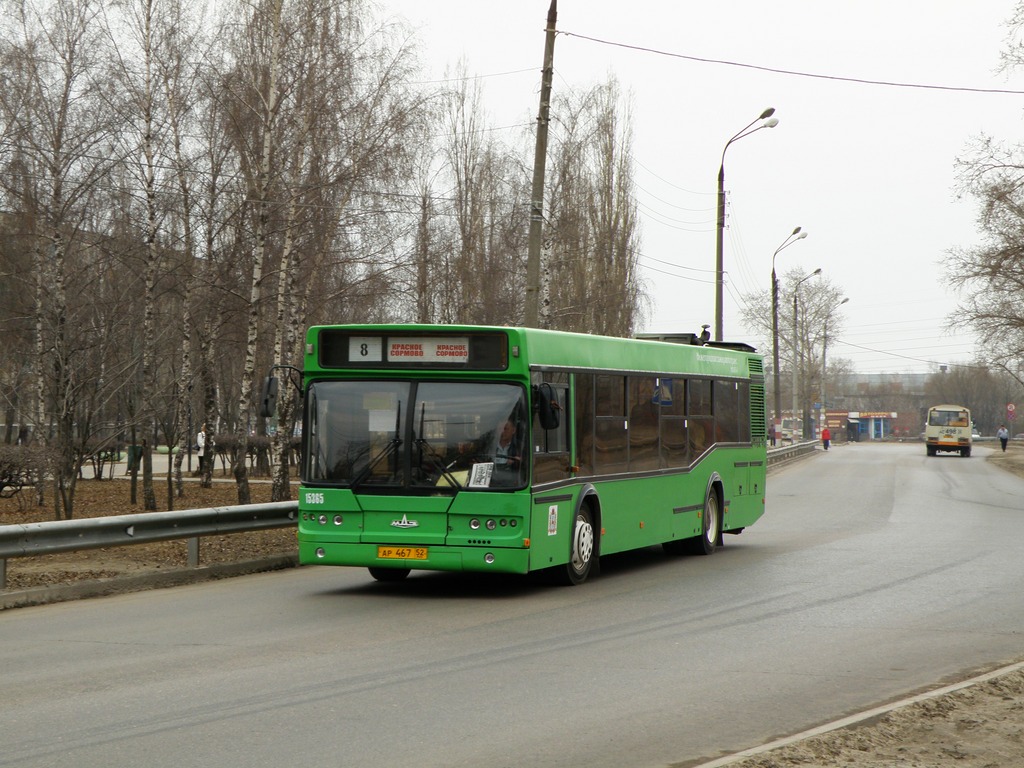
824	348
796	234
766	121
796	343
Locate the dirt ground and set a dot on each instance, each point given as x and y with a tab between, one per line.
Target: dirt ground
978	726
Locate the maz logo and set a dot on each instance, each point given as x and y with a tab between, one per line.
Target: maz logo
404	523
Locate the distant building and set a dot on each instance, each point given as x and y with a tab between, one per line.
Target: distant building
878	406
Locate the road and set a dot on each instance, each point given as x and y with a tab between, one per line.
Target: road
875	572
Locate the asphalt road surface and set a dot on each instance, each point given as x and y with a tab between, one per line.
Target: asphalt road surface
875	572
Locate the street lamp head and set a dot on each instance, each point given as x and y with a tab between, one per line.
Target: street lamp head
801	281
767	121
845	299
796	234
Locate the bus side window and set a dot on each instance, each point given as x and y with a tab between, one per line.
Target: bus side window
611	439
675	450
727	415
583	402
643	423
700	425
551	446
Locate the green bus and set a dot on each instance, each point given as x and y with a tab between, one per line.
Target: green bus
512	450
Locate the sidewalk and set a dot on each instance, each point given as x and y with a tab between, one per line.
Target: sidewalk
162	462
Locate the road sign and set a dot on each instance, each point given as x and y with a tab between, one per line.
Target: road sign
1011	411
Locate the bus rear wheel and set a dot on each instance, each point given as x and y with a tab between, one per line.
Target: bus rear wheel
389	574
582	549
707	542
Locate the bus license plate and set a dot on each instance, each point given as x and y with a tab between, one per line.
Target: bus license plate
402	553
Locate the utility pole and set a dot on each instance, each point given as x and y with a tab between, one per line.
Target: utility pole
537	195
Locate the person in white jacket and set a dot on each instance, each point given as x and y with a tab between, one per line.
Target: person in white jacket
201	448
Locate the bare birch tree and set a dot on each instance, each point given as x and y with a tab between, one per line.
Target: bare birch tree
990	276
141	136
159	52
593	227
483	277
255	104
351	116
63	133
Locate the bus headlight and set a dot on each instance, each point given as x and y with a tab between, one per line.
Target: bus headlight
474	524
489	558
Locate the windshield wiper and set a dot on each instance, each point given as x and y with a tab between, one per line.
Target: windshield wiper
387	450
438	462
435	457
384	452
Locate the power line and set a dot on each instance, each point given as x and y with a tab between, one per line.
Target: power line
795	73
903	357
471	77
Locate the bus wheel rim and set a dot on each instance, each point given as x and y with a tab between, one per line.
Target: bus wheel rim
582	545
711	519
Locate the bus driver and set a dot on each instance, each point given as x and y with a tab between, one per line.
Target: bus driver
506	453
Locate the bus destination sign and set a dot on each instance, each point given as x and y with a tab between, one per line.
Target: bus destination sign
428	350
478	351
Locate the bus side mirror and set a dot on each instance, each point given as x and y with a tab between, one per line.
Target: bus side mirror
268	397
546	405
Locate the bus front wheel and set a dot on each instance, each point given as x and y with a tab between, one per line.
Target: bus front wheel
582	549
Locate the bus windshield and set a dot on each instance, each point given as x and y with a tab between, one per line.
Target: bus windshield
948	418
428	435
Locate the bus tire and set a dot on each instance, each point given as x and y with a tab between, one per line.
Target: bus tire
711	522
388	574
582	548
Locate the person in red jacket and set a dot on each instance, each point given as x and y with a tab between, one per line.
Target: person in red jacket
826	437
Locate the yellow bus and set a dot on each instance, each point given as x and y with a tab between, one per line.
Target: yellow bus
948	429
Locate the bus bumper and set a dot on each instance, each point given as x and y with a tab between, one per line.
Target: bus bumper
438	558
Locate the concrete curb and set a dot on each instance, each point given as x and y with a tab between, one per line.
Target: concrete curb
154	580
860	717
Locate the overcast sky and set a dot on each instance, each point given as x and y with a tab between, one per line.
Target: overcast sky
867	170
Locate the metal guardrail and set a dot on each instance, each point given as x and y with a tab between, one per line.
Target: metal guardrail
789	452
30	539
